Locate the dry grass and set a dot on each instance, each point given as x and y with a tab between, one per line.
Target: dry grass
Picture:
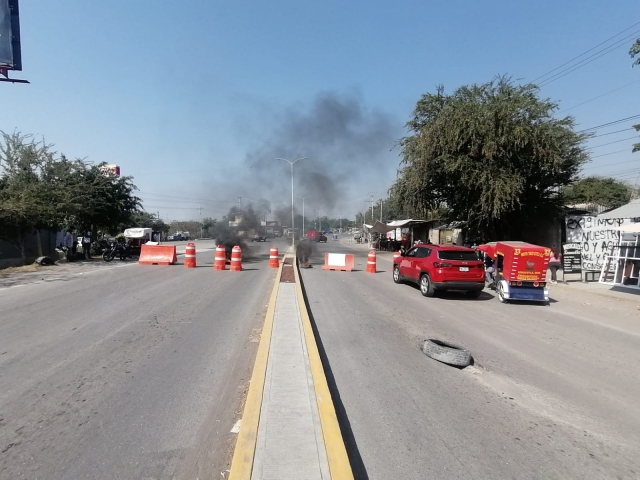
25	268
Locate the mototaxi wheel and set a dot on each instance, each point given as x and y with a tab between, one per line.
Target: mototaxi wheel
108	256
500	293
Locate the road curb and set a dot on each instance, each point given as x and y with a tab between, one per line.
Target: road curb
243	454
339	466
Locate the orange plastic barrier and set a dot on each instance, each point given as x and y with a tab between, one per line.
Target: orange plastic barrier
236	259
396	255
190	256
371	262
339	261
220	262
157	254
274	258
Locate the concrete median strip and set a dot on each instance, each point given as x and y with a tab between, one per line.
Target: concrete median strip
284	431
339	465
243	455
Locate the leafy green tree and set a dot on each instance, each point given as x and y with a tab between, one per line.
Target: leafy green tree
493	155
605	191
635	50
39	190
208	224
25	199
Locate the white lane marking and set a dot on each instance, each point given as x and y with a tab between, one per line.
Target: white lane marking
236	427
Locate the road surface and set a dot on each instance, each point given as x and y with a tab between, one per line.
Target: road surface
128	371
553	394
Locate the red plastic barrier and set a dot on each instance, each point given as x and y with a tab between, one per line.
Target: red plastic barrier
339	261
157	254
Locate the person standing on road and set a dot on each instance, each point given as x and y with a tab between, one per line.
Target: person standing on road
68	243
86	245
554	264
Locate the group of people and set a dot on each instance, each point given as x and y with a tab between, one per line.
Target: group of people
69	243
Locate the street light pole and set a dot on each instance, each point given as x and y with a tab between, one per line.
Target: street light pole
303	199
292	215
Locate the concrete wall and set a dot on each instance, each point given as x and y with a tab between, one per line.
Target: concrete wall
10	255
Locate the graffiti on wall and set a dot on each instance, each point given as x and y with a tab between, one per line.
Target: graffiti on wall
596	237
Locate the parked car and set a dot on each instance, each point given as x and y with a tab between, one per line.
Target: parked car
439	268
258	238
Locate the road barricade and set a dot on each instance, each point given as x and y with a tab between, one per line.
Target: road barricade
236	259
157	255
220	262
371	262
339	261
274	258
190	256
396	255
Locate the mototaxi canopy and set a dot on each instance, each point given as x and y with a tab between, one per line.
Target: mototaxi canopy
138	233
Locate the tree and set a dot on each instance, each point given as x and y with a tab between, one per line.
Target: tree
25	199
492	155
39	190
605	191
635	50
208	224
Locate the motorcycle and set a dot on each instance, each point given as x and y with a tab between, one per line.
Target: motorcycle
116	249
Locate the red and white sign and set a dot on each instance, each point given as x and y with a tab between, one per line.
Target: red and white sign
111	169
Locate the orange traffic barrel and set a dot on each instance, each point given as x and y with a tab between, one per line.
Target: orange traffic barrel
371	262
396	255
190	256
236	259
220	262
273	258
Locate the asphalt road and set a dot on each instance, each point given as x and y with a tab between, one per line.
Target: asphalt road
553	394
128	372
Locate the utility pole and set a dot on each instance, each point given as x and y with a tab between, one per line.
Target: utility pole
380	210
303	199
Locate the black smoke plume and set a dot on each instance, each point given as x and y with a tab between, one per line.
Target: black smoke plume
349	154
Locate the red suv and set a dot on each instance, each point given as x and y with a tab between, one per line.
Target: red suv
441	267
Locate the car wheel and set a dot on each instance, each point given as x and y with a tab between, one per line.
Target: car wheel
500	292
474	293
396	274
426	288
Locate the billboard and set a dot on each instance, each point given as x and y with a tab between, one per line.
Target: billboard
10	53
109	170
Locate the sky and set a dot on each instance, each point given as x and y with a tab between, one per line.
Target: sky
197	98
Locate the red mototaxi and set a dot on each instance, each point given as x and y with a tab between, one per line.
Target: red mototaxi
521	270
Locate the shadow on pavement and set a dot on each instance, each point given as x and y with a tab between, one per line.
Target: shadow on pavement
355	459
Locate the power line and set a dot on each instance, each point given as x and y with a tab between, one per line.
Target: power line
584	53
593	58
599	96
611	143
609	124
611	133
610	164
611	153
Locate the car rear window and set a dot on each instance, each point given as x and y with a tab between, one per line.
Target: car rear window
457	255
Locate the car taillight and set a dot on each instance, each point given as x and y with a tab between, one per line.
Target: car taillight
441	265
